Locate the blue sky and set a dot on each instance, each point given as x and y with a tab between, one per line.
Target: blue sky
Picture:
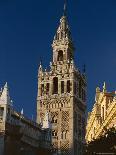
27	28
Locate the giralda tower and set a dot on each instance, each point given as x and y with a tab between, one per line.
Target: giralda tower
62	93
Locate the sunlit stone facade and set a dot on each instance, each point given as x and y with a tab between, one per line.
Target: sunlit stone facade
103	115
62	93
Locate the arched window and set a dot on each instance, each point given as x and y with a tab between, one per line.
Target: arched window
68	86
42	89
62	87
64	135
57	36
54	133
54	120
47	88
1	113
55	85
61	35
60	55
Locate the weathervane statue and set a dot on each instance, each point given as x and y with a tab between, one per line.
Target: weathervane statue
65	3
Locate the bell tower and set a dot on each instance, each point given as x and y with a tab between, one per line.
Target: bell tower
62	93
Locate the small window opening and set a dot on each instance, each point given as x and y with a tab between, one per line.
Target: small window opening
55	85
62	87
1	113
54	120
68	86
61	35
62	135
47	88
54	133
42	89
60	56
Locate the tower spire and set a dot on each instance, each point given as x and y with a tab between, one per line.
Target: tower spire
62	38
65	6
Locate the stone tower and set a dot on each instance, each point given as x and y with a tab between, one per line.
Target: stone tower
5	110
62	93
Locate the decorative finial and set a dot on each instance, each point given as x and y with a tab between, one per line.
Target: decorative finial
40	61
45	69
97	90
22	112
104	87
40	65
65	4
6	85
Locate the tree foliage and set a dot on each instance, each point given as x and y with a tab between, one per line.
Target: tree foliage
104	144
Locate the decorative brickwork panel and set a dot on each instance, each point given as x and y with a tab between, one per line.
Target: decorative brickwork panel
65	148
55	145
65	121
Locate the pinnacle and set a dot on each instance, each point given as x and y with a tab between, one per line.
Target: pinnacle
5	97
63	31
104	87
6	85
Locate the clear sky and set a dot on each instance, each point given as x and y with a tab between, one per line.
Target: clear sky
27	28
